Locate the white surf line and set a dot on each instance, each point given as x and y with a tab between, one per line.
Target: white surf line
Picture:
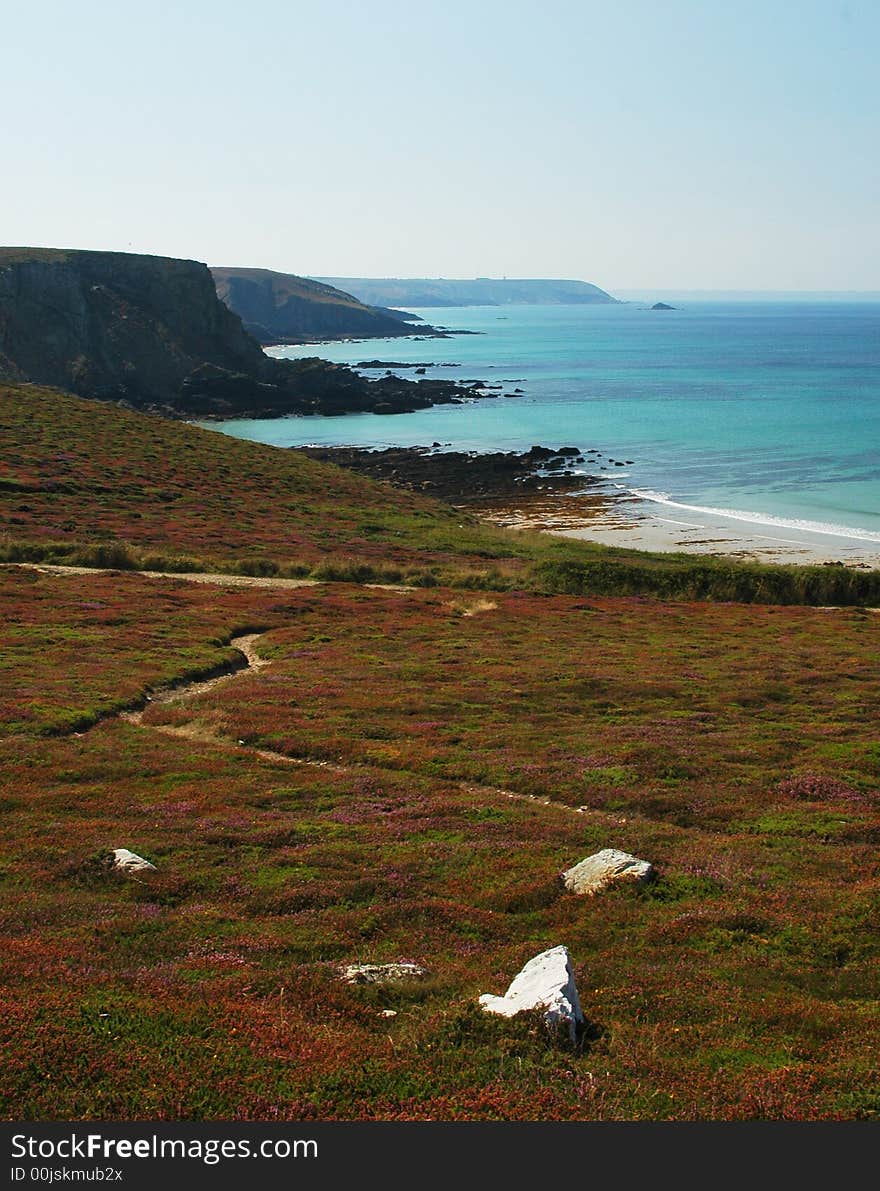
823	529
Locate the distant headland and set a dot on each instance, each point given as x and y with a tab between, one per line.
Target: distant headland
481	291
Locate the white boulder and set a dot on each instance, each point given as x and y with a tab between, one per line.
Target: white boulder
130	862
546	982
606	868
382	973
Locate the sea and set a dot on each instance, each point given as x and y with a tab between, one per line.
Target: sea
757	414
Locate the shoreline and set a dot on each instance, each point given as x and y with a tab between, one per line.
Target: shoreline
631	522
551	490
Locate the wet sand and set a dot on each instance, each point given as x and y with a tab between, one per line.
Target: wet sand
630	521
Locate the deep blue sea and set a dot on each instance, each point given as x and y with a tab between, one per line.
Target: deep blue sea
767	412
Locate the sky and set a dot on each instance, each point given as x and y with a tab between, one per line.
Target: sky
677	144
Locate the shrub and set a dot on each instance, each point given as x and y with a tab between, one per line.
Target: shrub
815	787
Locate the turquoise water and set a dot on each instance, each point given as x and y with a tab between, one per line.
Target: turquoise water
767	412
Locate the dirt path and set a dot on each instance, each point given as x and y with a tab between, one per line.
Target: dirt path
219	578
186	576
251	662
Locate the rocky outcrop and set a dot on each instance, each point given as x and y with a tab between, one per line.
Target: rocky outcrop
285	308
480	291
608	867
309	386
465	477
547	983
661	306
397	973
151	332
129	862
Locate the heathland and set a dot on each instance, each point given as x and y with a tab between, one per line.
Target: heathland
402	778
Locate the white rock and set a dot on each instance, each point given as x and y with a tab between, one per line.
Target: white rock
546	982
382	973
130	862
606	868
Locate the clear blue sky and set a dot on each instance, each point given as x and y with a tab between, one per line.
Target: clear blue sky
667	143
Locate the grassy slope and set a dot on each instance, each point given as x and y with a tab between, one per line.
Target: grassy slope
98	485
77	476
733	747
742	984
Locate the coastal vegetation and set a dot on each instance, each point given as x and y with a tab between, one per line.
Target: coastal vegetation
102	486
741	983
402	780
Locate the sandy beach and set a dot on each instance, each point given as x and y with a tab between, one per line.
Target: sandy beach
630	521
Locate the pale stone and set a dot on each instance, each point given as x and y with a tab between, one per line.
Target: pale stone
546	982
130	862
382	973
606	868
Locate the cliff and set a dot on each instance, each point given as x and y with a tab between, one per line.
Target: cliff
482	291
285	308
151	331
114	325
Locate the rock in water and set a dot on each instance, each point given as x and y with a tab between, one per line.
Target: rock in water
130	862
382	973
606	868
546	982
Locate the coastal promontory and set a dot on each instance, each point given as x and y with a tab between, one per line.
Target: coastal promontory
479	291
286	308
152	333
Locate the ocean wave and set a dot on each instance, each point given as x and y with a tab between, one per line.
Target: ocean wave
827	528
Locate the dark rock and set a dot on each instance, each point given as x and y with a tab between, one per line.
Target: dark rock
662	306
459	476
368	365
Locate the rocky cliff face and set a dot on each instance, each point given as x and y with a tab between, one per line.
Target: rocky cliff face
114	325
284	308
152	332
